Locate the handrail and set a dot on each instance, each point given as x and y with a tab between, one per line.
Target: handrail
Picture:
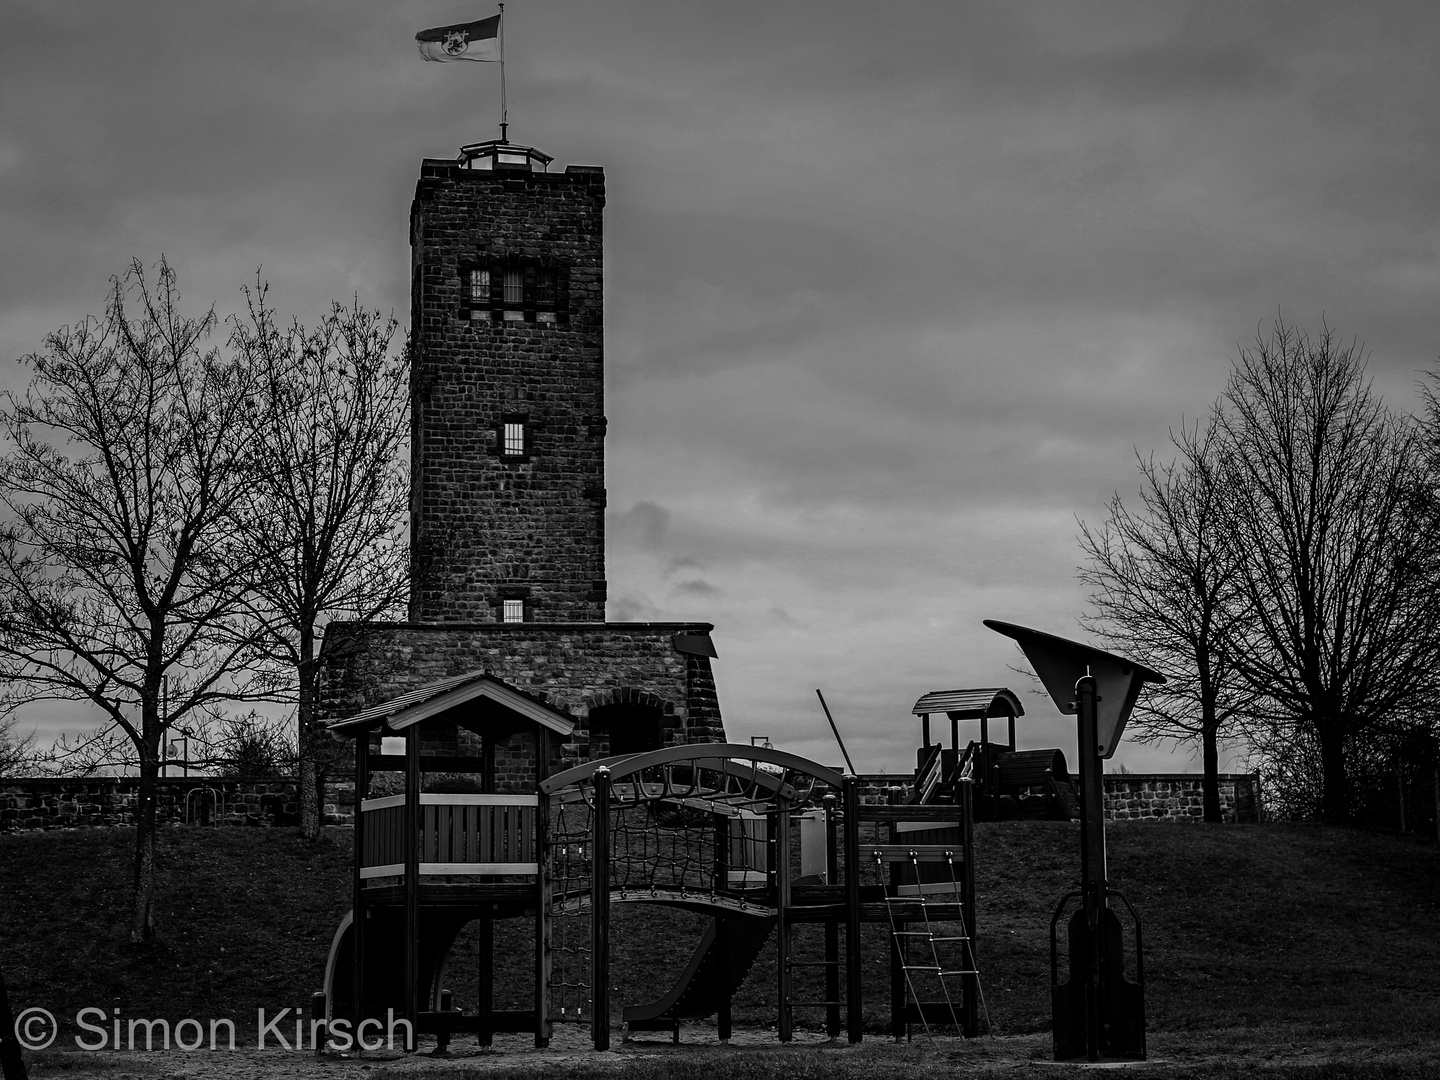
435	799
928	777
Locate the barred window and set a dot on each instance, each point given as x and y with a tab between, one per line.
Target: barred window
515	290
514	287
512	438
512	611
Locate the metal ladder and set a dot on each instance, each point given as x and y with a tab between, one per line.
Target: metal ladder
937	904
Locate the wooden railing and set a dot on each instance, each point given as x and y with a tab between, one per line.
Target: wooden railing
459	834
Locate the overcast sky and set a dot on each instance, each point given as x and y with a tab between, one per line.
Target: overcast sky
894	291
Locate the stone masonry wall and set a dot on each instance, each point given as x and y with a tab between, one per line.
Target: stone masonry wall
1145	796
64	802
575	666
55	803
487	527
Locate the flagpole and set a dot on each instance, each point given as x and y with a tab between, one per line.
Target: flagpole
504	112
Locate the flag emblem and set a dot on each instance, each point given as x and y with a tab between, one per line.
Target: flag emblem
462	41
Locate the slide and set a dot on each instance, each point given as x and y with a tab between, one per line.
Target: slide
697	993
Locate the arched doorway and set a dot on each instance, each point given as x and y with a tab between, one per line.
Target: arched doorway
629	727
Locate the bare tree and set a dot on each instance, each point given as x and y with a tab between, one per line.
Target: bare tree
1163	590
1331	537
17	752
324	518
120	576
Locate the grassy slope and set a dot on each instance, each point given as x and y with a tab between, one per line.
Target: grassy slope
1311	931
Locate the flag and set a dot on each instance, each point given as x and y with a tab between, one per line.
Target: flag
463	41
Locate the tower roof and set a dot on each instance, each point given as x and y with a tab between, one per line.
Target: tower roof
503	154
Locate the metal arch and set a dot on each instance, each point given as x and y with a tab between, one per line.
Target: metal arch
700	753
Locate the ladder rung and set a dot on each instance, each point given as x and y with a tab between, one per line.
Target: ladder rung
938	938
967	971
923	967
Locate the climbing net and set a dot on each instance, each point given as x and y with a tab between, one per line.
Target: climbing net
570	865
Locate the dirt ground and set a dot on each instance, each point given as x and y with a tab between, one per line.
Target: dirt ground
1021	1056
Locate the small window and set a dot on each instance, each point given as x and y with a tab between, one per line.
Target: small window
512	438
514	287
480	286
512	611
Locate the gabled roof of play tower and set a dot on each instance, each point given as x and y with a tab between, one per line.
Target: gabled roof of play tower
436	698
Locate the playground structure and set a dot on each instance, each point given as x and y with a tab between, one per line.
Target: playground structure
1007	783
762	842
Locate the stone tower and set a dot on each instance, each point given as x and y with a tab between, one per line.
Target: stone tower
507	389
507	485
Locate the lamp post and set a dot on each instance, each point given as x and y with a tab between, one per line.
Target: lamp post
1098	1012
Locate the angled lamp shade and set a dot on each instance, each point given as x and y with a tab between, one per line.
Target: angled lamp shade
1060	663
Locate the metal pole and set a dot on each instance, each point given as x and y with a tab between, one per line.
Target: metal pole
504	110
1092	854
848	763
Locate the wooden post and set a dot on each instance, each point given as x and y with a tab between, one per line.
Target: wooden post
357	906
543	958
832	928
725	1014
850	793
971	983
485	990
899	950
600	914
781	821
412	881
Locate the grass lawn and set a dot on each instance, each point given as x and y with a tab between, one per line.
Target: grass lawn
1285	950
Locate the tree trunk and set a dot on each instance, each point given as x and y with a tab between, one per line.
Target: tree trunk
309	790
143	926
1210	780
12	1064
1334	800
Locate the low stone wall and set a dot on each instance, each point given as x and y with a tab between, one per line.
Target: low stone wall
1151	796
67	803
64	803
1177	796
